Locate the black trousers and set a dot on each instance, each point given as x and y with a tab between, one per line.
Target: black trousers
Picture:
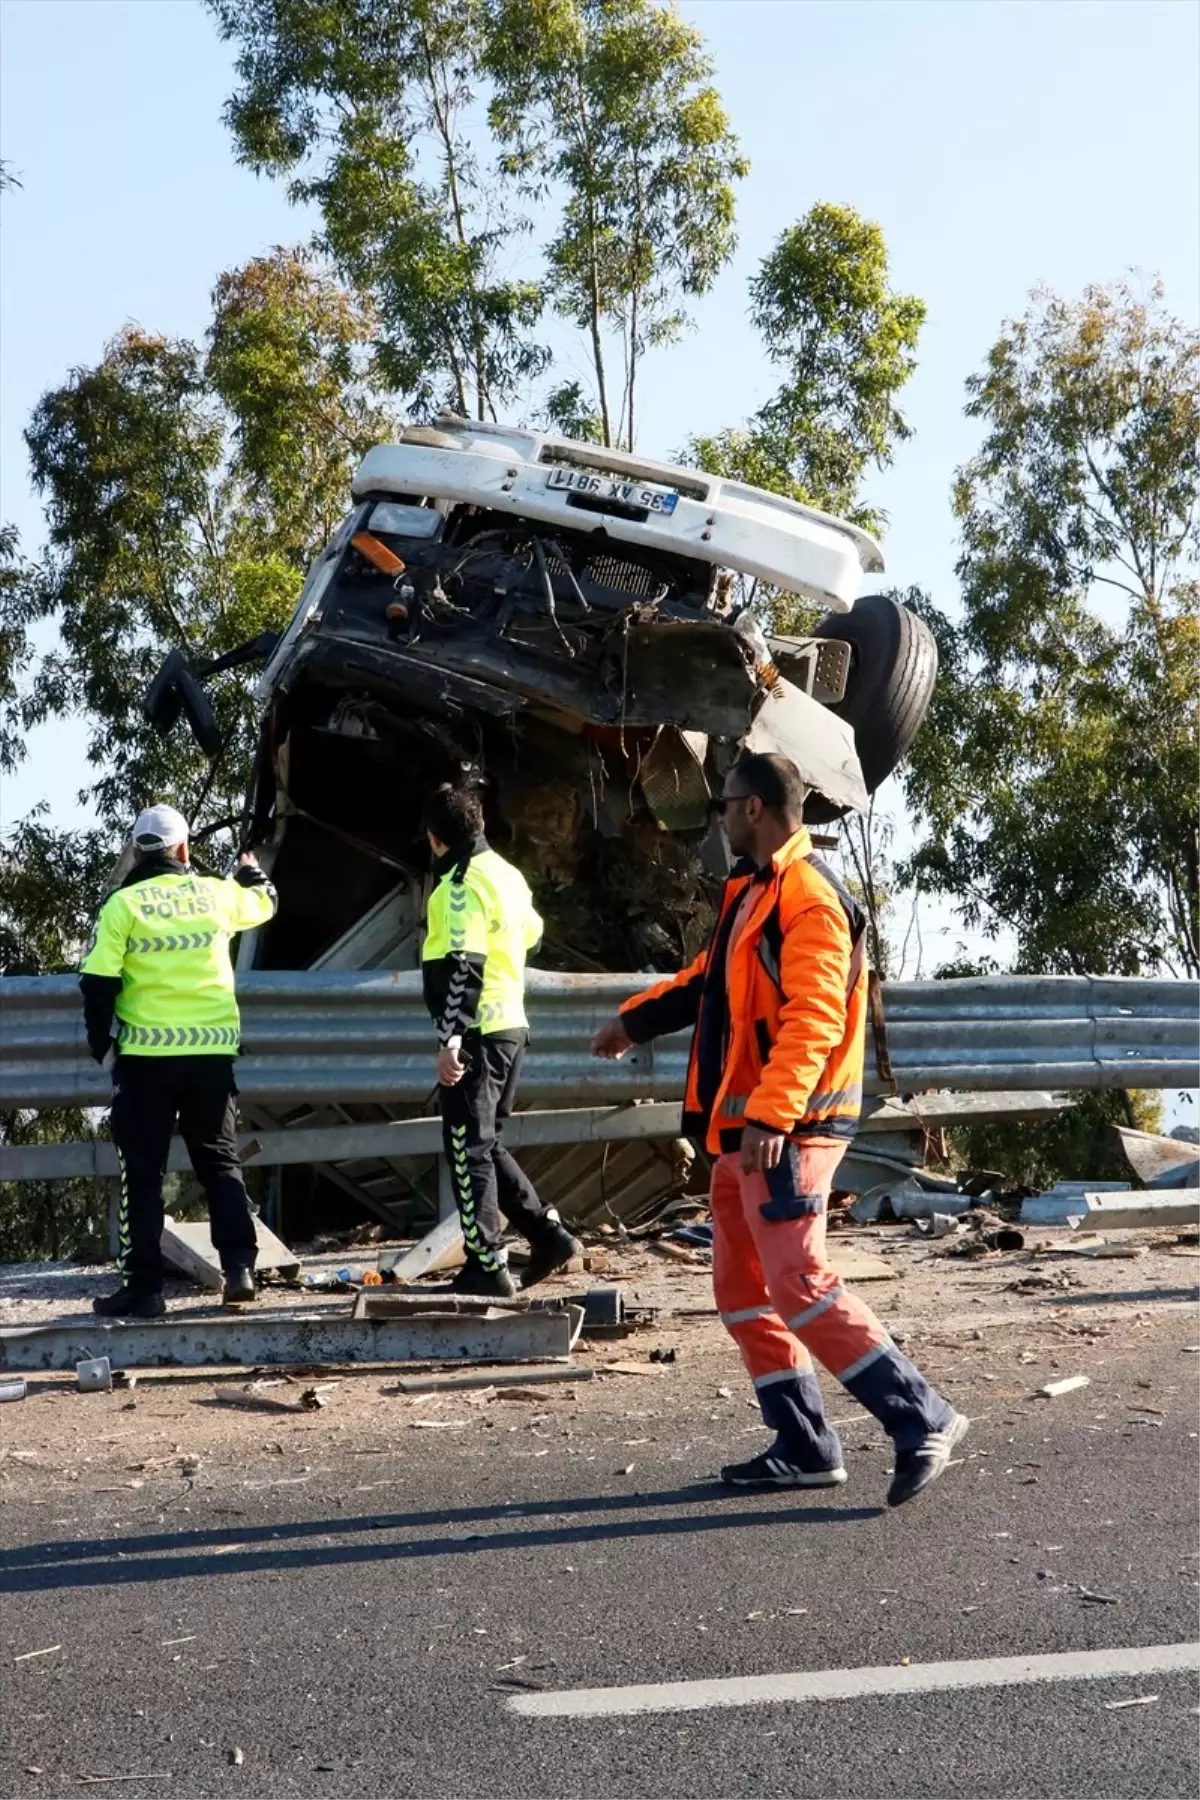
487	1181
149	1094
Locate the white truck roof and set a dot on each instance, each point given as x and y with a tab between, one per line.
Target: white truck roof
687	512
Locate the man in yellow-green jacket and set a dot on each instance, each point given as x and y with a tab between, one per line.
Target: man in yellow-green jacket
480	926
158	975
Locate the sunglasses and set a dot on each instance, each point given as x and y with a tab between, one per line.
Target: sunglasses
720	805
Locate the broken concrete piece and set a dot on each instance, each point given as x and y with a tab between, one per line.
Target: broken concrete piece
188	1246
441	1248
1067	1385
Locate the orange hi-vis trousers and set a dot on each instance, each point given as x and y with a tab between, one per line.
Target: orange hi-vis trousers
782	1304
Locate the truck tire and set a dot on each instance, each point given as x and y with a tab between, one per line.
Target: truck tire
892	671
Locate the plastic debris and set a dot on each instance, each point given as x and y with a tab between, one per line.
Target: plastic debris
1067	1385
93	1376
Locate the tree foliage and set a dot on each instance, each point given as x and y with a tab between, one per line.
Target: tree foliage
1056	778
367	106
844	343
185	491
610	103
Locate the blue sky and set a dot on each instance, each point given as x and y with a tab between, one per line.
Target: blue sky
1001	144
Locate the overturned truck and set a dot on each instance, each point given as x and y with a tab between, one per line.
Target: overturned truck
579	631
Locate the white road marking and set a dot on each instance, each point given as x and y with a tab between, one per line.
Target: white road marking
858	1684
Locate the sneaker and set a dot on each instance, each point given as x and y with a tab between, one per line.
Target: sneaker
131	1303
917	1468
239	1287
549	1253
487	1284
772	1470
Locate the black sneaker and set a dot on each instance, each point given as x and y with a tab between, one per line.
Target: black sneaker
917	1468
239	1287
487	1284
773	1470
131	1303
549	1253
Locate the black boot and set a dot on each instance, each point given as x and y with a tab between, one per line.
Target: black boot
552	1249
239	1286
487	1284
131	1303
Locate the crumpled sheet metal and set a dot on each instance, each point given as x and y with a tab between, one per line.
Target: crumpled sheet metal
790	723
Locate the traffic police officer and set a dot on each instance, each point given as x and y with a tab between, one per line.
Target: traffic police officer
159	961
480	925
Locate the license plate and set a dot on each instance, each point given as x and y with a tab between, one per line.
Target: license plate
608	487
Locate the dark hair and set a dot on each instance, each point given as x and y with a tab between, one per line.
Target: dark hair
454	815
775	780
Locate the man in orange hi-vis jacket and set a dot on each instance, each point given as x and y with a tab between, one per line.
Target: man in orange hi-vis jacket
778	1004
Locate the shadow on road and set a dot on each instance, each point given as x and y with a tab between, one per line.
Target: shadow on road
300	1544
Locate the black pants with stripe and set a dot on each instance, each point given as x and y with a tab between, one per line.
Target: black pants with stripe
487	1181
150	1093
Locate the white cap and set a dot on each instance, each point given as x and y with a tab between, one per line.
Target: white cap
160	828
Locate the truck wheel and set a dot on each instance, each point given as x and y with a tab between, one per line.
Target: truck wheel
893	668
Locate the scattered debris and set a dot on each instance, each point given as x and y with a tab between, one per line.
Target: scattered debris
938	1225
859	1265
633	1368
1067	1385
1119	1705
441	1248
511	1379
237	1756
28	1655
188	1247
284	1339
156	1775
94	1375
1086	1593
659	1355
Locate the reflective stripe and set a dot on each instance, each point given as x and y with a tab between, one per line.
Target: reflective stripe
864	1362
813	1312
746	1313
180	1037
777	1375
850	1096
464	1193
189	940
734	1105
458	918
124	1240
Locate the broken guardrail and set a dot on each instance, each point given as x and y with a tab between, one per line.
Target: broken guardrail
285	1339
318	1035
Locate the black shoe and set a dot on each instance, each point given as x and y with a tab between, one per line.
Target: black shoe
549	1253
131	1303
917	1468
773	1469
486	1284
239	1287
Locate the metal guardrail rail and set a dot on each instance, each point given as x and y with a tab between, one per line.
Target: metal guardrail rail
364	1036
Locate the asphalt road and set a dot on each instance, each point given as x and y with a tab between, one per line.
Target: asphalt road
357	1626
